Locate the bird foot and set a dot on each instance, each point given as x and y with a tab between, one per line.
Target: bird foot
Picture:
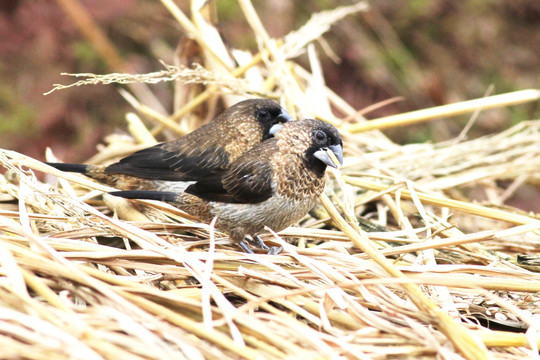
244	246
257	242
274	250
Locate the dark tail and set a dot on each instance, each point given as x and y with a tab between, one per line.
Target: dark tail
77	168
147	195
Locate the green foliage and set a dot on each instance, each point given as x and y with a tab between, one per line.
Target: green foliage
16	116
87	58
228	10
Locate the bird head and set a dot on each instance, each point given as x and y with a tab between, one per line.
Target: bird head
261	117
271	116
318	142
327	145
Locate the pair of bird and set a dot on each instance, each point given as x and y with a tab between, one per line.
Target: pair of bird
250	167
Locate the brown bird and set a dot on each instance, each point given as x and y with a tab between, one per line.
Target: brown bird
175	164
274	184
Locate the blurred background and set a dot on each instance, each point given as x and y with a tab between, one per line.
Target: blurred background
426	52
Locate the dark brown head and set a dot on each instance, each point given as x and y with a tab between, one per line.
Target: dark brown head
317	142
263	116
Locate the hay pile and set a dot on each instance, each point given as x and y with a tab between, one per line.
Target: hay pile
89	276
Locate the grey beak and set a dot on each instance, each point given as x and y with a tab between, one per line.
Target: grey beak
331	155
281	118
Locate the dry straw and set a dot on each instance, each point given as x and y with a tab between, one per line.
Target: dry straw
86	275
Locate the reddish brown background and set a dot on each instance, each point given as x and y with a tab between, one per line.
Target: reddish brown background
428	52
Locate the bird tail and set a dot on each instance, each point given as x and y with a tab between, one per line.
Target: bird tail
167	196
101	173
77	168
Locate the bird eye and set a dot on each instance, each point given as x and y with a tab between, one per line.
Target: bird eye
263	114
320	136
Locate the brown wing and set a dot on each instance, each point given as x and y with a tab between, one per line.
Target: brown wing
247	181
210	148
172	161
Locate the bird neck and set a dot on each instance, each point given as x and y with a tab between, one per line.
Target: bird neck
314	165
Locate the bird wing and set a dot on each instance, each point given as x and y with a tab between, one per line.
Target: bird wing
247	181
172	161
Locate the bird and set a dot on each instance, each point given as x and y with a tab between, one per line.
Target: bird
174	165
274	184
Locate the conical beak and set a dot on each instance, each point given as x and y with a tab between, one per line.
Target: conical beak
331	155
282	119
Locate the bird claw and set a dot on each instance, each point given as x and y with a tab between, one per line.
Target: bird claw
274	250
257	242
245	247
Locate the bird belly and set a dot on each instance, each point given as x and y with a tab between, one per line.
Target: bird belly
128	182
277	213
